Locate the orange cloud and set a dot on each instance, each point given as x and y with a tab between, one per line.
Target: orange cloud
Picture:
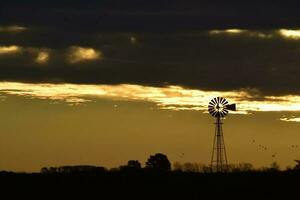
79	54
171	97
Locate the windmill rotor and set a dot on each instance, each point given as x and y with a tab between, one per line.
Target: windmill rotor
218	107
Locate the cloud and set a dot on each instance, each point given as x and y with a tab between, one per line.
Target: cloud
171	97
79	54
42	57
133	40
12	29
290	34
285	119
227	31
227	46
219	58
9	49
159	15
18	52
192	59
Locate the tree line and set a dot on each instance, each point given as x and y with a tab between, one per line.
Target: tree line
159	162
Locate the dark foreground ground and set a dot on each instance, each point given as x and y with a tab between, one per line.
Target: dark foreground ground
151	185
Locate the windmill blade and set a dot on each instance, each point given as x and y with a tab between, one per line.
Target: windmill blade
218	98
211	103
231	107
210	106
215	100
211	111
223	100
221	114
226	111
215	113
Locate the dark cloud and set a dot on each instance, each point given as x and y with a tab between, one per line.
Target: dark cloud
173	44
150	15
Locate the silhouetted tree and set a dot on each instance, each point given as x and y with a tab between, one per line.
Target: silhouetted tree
191	167
44	170
134	164
297	166
274	167
241	167
177	166
205	169
158	162
73	169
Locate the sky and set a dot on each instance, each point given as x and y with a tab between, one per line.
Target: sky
104	82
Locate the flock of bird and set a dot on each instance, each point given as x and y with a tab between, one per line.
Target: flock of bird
260	147
265	148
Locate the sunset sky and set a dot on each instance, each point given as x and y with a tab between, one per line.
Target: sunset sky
103	82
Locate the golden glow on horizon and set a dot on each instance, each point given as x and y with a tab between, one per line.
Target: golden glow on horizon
42	57
171	97
290	34
133	39
79	54
229	31
285	33
9	49
295	119
249	33
12	28
262	35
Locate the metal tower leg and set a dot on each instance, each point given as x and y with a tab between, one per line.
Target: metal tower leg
219	157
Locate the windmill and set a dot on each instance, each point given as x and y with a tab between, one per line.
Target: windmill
218	107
